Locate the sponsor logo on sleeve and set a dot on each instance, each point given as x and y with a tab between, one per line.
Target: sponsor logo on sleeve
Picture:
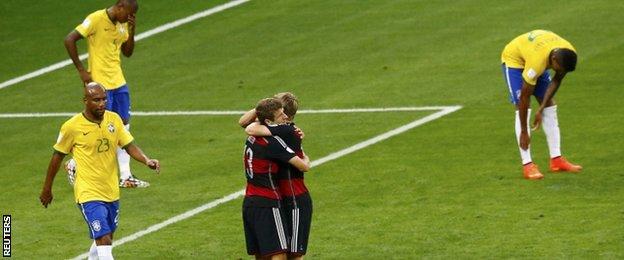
59	138
86	23
531	73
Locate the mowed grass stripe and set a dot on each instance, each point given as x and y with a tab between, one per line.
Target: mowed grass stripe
157	30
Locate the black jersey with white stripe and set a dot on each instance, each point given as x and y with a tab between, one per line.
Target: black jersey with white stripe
263	157
290	178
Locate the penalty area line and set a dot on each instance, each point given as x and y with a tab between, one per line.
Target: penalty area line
235	195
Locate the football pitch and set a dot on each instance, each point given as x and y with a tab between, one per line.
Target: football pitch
406	119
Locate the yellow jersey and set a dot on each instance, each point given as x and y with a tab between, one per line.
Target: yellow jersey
104	40
531	52
94	148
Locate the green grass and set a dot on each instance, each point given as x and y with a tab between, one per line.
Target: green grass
451	188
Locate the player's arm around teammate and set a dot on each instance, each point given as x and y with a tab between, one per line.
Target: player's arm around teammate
301	164
247	118
256	129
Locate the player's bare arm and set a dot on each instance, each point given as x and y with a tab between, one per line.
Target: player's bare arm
306	158
136	153
53	167
72	50
548	101
301	164
256	129
247	118
127	48
299	132
523	110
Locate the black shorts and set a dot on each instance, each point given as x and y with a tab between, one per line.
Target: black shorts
264	231
298	217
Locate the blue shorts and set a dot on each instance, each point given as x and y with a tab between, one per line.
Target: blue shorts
513	78
101	217
118	101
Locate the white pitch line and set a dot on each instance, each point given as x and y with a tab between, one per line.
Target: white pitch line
138	37
444	111
386	135
225	113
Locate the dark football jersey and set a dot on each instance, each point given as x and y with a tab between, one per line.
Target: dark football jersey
263	158
290	178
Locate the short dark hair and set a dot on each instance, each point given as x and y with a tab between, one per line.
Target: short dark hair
265	109
566	58
290	102
132	3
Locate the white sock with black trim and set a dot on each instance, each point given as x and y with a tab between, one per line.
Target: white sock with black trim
525	155
550	124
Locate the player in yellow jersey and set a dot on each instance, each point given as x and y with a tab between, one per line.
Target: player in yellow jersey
92	137
525	62
109	32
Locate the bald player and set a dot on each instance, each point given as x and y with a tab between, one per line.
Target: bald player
92	137
525	62
109	32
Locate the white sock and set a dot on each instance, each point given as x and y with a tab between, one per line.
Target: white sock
525	155
93	253
105	252
123	159
550	123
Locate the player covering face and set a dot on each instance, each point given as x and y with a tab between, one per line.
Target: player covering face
108	33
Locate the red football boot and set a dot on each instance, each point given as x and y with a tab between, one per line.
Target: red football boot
560	164
531	172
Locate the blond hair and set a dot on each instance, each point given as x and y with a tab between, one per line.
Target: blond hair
290	103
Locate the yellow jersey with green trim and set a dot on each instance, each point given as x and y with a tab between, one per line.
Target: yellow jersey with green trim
104	40
531	51
94	148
